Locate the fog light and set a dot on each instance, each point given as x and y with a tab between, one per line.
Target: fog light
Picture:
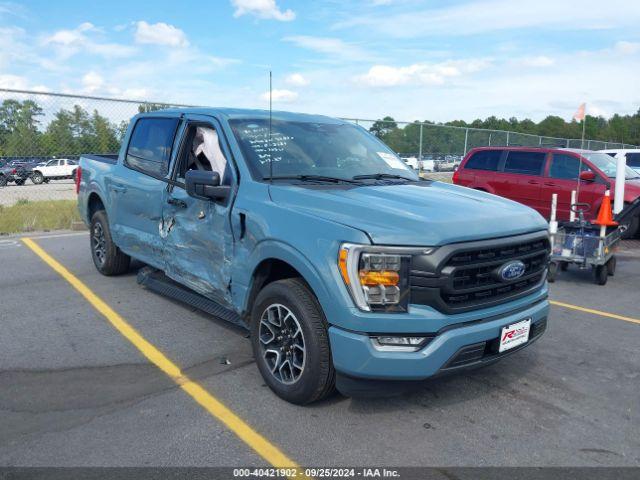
404	344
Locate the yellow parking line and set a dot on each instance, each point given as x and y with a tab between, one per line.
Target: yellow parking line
595	312
215	407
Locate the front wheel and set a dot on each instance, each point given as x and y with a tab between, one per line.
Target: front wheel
37	178
107	257
601	273
290	342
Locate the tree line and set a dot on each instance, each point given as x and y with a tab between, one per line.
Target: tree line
75	131
70	132
493	131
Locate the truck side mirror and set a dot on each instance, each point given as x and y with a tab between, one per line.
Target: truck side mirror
205	185
587	176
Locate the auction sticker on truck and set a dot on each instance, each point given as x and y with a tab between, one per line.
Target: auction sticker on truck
514	335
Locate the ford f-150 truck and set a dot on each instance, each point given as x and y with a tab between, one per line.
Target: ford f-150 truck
347	268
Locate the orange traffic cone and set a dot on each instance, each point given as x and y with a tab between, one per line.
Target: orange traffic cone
605	216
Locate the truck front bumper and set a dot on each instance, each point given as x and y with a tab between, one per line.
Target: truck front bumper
454	348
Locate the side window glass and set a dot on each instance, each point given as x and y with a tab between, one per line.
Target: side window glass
203	152
633	160
566	167
485	160
150	145
527	163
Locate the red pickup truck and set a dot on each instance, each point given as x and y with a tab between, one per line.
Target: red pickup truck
531	175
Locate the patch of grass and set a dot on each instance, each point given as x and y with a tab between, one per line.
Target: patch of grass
27	216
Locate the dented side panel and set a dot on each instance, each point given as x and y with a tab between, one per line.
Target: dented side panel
197	245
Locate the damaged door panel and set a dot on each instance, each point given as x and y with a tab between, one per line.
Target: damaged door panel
196	233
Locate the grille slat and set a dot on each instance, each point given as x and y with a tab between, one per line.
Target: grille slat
468	277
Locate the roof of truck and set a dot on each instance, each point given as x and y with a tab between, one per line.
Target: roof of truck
246	113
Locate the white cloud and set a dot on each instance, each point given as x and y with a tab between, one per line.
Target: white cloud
266	9
330	46
539	61
296	80
626	48
92	82
482	16
160	34
280	96
70	42
419	73
17	82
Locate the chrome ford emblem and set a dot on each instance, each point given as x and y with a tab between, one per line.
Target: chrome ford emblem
511	270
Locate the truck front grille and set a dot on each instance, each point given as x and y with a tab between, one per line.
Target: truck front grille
466	276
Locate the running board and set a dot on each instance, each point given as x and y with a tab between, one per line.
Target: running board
156	281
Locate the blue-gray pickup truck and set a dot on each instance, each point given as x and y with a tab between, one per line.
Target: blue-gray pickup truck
347	268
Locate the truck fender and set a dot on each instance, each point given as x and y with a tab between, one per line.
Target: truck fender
276	250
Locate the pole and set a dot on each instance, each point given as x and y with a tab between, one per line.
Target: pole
553	224
420	152
618	199
584	123
572	214
508	138
466	139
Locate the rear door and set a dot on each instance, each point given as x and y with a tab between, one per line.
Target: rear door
524	169
137	188
197	236
562	178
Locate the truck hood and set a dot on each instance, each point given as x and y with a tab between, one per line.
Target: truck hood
413	214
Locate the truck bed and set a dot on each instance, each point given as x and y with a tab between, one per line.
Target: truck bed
107	158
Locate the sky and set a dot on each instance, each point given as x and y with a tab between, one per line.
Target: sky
414	60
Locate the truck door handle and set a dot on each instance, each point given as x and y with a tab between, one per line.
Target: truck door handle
177	202
533	182
119	188
550	184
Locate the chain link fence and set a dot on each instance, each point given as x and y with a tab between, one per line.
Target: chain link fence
41	127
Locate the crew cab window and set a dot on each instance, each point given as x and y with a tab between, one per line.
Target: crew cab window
566	167
150	145
485	160
527	163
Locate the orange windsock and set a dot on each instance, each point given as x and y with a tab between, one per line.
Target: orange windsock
605	216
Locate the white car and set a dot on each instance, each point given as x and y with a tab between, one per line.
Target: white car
57	169
632	156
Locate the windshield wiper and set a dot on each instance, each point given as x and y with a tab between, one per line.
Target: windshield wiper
312	178
380	176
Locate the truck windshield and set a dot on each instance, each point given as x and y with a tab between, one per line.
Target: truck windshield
301	150
607	164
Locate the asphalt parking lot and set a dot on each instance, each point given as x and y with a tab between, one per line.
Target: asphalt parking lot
75	392
54	190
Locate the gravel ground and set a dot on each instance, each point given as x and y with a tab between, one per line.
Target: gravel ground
54	190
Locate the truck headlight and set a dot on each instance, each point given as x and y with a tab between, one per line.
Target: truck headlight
377	277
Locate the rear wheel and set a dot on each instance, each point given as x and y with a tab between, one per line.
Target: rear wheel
107	257
290	342
37	178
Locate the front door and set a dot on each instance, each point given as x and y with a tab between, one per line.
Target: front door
562	178
197	237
